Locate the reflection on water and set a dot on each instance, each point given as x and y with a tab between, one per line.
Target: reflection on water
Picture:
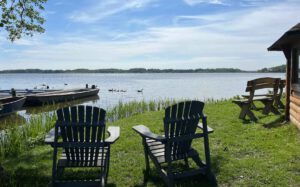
24	115
53	107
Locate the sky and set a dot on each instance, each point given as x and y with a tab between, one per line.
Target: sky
178	34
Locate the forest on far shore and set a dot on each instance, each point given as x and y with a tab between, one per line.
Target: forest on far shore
275	69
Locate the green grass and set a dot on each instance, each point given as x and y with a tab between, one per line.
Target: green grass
11	121
18	139
243	153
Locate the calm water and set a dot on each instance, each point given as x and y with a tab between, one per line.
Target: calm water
155	86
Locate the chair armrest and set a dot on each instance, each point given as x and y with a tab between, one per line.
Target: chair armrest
114	134
209	130
146	133
49	138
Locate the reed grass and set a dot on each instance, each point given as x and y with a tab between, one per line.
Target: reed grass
14	140
124	110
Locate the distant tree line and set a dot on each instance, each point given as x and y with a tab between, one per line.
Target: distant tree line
133	70
276	69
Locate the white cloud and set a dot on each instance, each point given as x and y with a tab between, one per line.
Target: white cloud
107	8
234	39
246	3
195	2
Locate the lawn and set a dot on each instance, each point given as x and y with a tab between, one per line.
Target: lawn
265	153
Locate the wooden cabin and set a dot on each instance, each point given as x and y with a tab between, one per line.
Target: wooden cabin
289	44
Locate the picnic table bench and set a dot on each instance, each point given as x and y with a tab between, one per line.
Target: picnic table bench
267	99
277	101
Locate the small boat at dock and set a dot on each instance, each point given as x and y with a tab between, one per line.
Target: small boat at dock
27	91
9	105
23	92
51	97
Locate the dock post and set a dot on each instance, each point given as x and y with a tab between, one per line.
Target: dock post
13	92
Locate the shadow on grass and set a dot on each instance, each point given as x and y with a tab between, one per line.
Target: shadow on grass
216	163
33	168
24	177
29	169
279	122
195	181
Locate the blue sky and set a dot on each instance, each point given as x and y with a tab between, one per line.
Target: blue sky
178	34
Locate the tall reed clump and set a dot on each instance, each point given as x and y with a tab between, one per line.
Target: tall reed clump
14	140
124	110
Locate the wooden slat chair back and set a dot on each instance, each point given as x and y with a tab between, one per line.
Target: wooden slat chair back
180	123
83	127
262	83
82	130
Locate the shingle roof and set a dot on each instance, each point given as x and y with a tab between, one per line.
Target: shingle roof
290	38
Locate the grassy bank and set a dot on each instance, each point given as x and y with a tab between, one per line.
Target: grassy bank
243	153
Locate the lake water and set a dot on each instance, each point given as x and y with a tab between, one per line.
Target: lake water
155	86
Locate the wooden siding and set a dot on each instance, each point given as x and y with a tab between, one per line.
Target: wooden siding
295	109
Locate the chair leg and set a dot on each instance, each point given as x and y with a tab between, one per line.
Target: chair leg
186	161
253	106
274	110
276	103
246	111
147	163
169	181
60	171
251	115
197	160
280	105
106	174
147	170
266	109
269	108
242	113
103	181
212	178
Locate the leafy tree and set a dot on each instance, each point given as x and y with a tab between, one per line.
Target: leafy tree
21	17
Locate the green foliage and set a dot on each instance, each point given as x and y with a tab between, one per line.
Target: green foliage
21	17
124	110
276	69
15	140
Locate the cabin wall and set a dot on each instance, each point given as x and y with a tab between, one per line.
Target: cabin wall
295	108
294	99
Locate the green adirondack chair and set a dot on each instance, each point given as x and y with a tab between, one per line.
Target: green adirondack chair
180	124
80	133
